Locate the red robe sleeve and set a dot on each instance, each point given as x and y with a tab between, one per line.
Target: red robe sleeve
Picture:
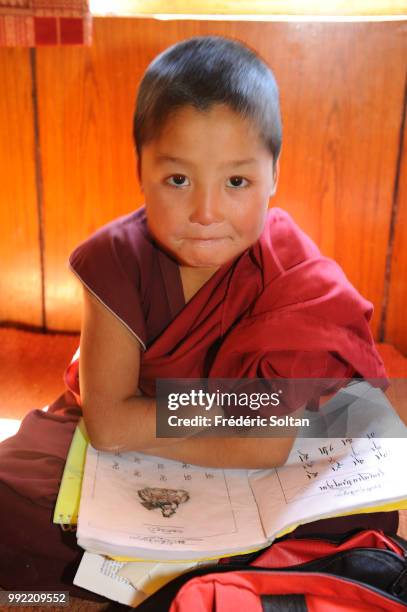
105	264
308	322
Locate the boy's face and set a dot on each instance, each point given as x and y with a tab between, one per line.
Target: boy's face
207	180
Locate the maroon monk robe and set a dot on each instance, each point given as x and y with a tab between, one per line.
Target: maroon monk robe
279	309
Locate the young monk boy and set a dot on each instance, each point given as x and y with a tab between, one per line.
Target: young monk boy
204	281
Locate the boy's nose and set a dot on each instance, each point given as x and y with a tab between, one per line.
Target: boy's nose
206	208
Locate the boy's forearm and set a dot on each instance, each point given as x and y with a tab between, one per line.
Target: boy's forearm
245	453
131	426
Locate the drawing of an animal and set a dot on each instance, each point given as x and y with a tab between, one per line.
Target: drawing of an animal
167	500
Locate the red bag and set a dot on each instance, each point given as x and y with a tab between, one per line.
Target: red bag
289	552
275	591
361	573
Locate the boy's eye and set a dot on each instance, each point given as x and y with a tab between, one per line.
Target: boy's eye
178	180
238	181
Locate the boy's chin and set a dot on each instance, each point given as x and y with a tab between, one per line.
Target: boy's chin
205	256
202	261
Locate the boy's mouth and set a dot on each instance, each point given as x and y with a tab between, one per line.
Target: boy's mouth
203	238
206	241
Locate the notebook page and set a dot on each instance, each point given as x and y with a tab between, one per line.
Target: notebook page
337	475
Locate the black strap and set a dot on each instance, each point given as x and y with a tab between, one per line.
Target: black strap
283	603
399	586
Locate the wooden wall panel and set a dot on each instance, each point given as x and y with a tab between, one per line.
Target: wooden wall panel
342	92
342	104
20	270
86	98
396	320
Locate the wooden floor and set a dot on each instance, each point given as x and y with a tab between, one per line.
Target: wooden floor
31	369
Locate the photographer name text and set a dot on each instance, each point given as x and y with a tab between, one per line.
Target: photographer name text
239	421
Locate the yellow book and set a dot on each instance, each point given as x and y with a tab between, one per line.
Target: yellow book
67	505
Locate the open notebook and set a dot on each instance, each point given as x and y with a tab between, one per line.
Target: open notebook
137	506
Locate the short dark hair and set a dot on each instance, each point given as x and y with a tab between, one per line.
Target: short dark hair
204	71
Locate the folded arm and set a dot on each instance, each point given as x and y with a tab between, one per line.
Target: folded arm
246	453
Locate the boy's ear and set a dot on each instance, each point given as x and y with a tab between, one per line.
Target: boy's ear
276	175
